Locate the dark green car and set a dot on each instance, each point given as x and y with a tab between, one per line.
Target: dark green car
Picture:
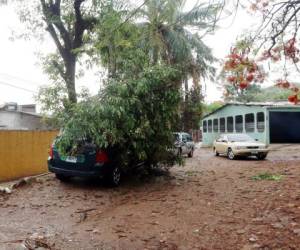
89	161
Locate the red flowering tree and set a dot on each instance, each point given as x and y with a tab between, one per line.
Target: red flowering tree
240	70
275	40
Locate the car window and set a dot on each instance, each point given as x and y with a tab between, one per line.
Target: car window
176	137
189	137
184	138
220	138
240	138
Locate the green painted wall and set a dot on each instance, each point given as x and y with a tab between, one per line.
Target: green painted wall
232	110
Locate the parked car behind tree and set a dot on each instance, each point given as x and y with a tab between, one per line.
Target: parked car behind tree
184	144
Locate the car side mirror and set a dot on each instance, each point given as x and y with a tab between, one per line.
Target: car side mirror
224	141
184	140
256	139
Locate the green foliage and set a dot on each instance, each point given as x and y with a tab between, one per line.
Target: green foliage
255	93
209	108
267	176
167	33
168	37
117	44
191	109
272	93
53	100
246	95
138	107
136	117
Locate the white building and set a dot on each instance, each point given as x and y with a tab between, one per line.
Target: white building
20	117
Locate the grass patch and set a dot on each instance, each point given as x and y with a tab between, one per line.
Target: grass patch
267	176
191	173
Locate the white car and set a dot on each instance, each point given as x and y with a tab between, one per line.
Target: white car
234	145
184	144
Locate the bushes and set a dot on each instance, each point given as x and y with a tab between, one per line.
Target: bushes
135	117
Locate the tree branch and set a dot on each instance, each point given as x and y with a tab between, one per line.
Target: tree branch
79	26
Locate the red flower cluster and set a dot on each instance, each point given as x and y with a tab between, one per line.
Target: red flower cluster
287	85
260	5
288	50
291	51
240	70
293	99
283	84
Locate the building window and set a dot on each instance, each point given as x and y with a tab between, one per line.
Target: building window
204	126
216	125
222	125
249	122
239	124
260	117
209	130
230	124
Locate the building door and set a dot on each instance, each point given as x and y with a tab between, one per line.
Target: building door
284	127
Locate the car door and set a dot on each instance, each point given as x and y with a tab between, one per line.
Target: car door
184	145
218	143
223	144
190	142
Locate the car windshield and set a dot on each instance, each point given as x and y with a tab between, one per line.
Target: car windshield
176	137
239	138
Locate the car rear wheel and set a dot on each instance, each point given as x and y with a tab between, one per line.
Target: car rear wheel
216	152
191	153
62	178
261	156
113	178
230	154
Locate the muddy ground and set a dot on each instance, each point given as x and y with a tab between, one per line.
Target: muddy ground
210	203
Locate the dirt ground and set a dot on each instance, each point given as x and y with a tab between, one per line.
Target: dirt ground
210	203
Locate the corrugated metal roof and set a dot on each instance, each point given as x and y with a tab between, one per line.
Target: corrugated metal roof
21	112
261	104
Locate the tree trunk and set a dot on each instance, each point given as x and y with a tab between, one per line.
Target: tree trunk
185	111
112	67
155	55
70	78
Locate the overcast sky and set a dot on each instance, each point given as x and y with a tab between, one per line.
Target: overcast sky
20	74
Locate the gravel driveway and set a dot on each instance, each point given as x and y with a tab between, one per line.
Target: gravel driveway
210	203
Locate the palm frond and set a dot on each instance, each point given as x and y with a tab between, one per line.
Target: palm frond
200	15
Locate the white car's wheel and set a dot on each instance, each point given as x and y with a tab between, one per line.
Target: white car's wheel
216	152
261	156
191	153
230	154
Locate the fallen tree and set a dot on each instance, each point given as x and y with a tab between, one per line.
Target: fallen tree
133	117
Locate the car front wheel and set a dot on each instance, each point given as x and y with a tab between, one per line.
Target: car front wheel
191	153
261	156
230	154
216	152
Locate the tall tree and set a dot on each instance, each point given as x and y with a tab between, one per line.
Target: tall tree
117	42
276	39
66	27
66	22
167	32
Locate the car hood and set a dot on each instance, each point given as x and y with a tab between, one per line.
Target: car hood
248	143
